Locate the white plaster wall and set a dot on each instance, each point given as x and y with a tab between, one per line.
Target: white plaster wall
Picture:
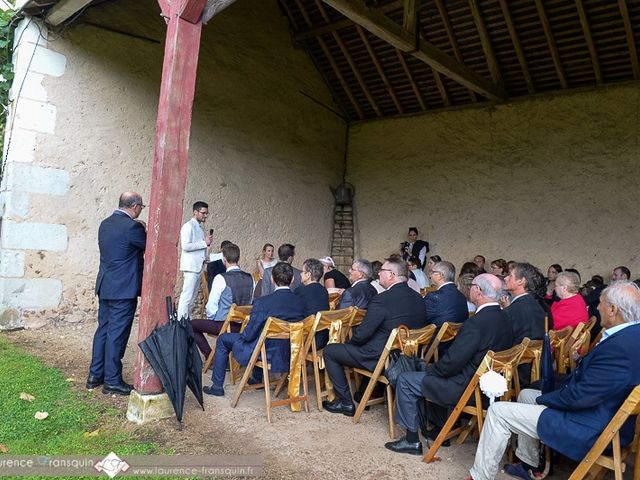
547	180
262	154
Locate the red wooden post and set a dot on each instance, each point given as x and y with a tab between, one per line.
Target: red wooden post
171	157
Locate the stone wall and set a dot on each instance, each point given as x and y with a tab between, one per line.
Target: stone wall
551	179
261	153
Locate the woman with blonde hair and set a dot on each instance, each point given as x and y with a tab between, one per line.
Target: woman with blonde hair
266	260
571	309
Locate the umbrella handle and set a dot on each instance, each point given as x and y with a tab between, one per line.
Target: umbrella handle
169	307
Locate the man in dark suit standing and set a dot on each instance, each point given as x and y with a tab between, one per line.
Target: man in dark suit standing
570	419
447	303
282	304
398	305
122	240
361	291
524	311
444	381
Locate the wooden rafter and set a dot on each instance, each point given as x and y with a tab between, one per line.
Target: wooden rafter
410	17
332	62
389	31
378	65
516	45
64	10
441	88
486	42
452	40
584	21
633	52
551	42
352	64
342	23
412	82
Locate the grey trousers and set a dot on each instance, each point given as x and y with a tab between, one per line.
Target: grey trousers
503	418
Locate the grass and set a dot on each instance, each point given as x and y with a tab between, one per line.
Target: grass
72	414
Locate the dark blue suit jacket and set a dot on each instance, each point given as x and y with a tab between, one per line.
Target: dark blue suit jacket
446	305
122	241
593	392
359	295
282	304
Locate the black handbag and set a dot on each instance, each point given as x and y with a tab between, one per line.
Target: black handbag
400	363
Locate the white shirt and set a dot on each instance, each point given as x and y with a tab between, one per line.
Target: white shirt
445	283
217	287
490	304
610	331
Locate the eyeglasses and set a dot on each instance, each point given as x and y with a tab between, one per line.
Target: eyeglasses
388	270
142	206
475	285
203	213
433	272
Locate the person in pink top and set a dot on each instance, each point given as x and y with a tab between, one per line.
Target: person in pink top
571	309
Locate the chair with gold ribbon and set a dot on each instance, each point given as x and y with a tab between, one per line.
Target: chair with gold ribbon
558	339
333	321
409	342
531	356
296	333
446	334
347	330
504	363
334	299
238	314
564	352
594	462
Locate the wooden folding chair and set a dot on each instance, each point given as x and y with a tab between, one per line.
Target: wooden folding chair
558	339
297	333
579	348
332	320
596	340
595	461
425	290
204	286
334	299
505	363
347	329
237	314
447	333
564	352
409	341
531	356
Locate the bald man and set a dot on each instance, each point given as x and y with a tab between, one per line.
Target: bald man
444	381
122	239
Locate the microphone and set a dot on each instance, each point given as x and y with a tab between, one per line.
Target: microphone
211	231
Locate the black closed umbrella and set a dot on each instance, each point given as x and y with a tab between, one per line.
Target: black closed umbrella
171	351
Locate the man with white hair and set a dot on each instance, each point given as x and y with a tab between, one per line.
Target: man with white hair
361	291
570	419
444	382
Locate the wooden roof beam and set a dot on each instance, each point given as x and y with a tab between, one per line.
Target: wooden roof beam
453	40
441	88
411	17
633	52
516	45
378	65
584	21
546	26
352	64
343	23
413	83
392	33
487	48
64	10
334	65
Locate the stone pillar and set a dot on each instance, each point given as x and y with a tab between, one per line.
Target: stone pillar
30	116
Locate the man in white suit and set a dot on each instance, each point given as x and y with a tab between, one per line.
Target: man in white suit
194	245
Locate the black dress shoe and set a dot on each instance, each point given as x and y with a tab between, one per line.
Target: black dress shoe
338	406
118	388
94	382
402	446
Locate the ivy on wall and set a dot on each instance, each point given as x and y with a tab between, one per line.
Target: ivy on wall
6	71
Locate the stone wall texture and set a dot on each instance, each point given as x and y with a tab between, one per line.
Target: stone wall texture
262	154
551	179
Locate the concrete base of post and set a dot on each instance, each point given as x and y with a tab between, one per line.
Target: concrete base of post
149	408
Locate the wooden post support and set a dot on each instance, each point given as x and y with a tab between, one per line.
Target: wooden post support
169	176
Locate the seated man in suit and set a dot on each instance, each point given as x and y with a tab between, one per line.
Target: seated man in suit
216	267
447	303
524	311
398	305
315	296
286	253
282	304
231	286
569	420
361	291
444	381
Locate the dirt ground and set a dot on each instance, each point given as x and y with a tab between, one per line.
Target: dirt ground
295	445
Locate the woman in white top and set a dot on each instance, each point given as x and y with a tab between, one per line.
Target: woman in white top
267	259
